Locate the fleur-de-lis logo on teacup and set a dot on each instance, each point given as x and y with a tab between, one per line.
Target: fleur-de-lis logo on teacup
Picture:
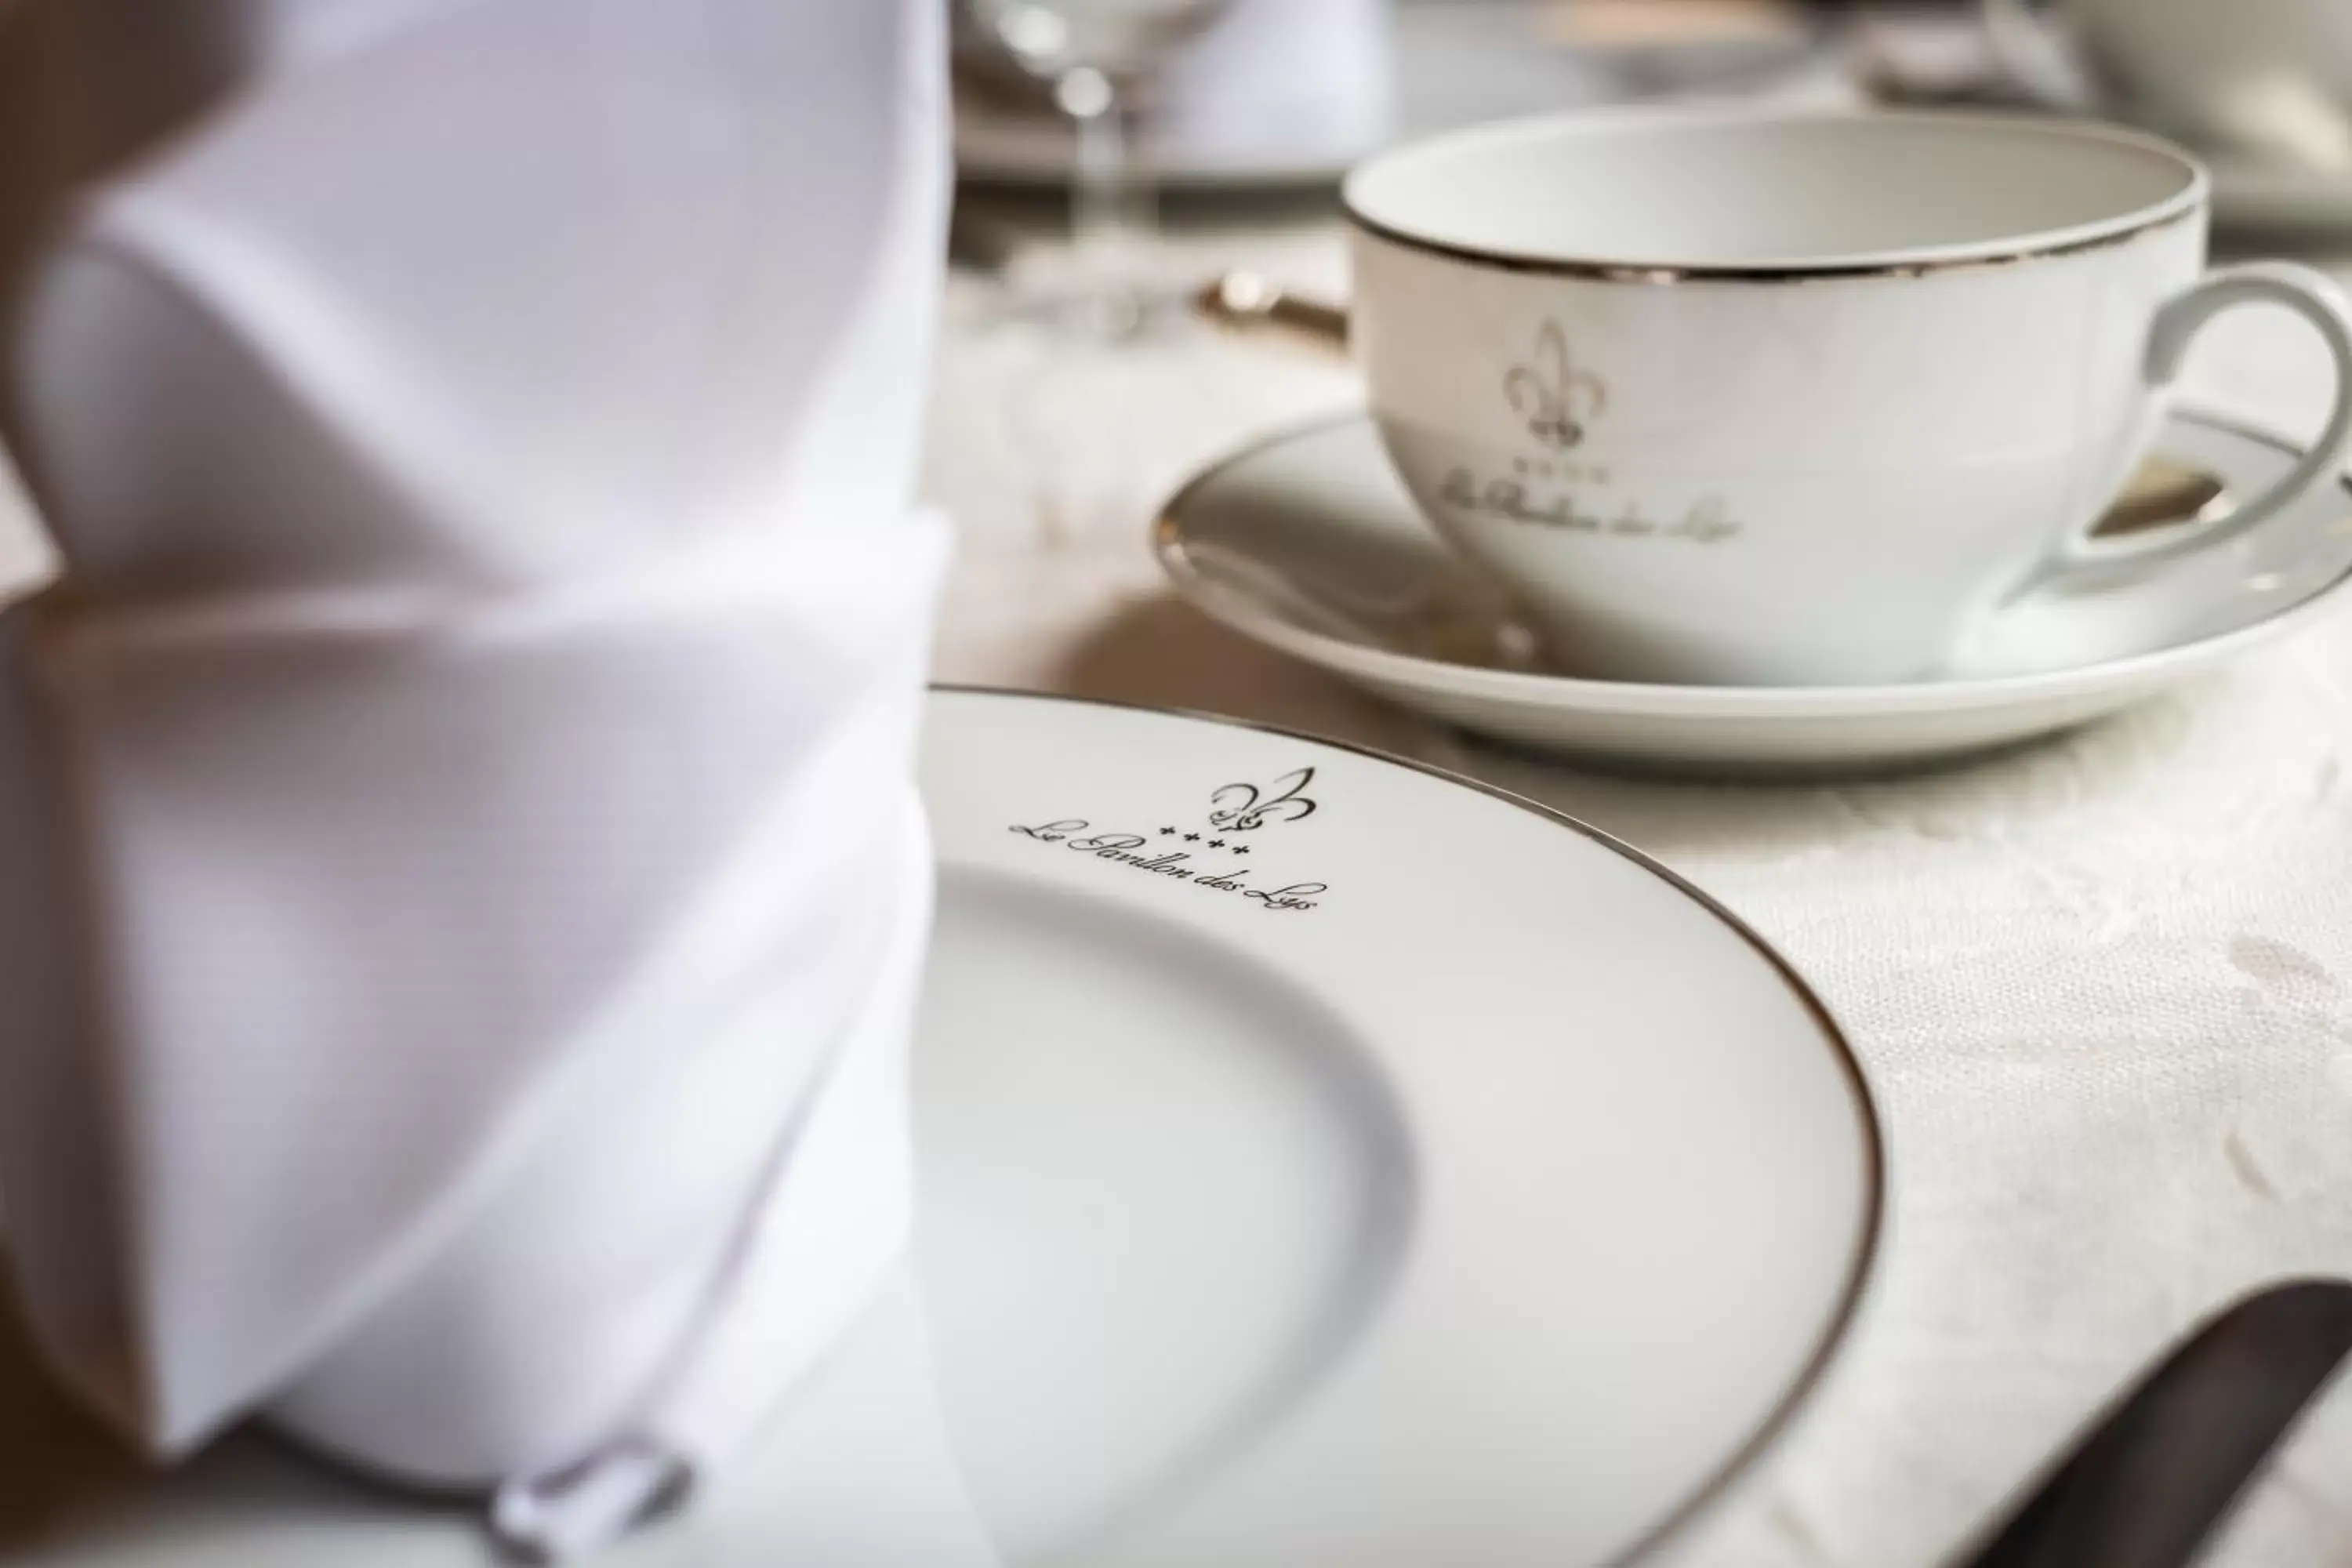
1245	808
1555	396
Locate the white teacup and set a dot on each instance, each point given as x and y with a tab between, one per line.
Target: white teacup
1761	399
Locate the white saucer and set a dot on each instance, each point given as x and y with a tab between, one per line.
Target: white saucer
1436	1181
1458	62
1306	542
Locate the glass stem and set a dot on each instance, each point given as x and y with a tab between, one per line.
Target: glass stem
1114	209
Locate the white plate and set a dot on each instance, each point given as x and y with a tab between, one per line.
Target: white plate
1307	541
1458	62
1436	1181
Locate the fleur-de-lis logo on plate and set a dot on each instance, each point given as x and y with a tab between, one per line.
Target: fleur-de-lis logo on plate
1553	395
1245	808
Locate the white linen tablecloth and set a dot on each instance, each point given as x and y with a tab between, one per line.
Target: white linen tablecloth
2103	988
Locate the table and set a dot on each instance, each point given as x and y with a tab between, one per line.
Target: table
2103	988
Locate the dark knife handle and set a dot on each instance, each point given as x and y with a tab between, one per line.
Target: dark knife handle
2157	1476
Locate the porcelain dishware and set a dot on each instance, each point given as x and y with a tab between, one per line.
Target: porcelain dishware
1251	1236
1306	542
1287	95
2272	77
1096	58
1742	399
2260	195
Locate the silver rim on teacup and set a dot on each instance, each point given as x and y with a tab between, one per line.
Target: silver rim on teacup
2182	206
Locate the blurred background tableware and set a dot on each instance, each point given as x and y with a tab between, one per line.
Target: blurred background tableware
2260	91
2268	79
1288	93
1250	303
1264	85
1096	60
1740	397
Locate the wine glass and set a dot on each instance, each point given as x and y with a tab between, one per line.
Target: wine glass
1097	58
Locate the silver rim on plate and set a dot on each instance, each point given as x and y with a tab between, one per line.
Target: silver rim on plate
1862	1271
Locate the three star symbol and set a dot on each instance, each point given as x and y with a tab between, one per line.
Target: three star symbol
1214	843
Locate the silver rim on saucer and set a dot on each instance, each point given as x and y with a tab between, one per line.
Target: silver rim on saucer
1538	688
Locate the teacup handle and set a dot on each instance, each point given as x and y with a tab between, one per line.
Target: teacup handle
2313	296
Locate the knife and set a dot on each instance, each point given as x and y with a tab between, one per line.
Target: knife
2150	1483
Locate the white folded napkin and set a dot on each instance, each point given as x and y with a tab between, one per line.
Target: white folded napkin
465	890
